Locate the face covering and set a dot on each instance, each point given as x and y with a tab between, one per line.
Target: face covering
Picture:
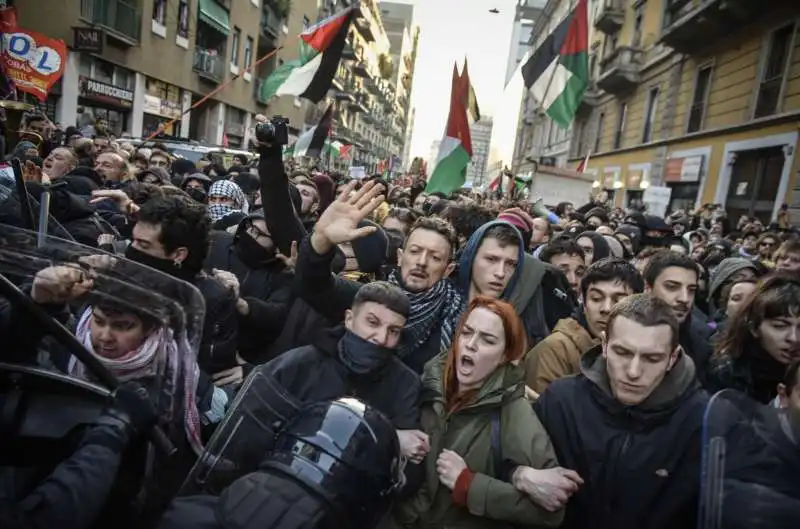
162	265
217	211
253	254
360	356
197	194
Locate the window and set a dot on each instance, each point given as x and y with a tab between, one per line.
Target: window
650	117
237	36
702	85
623	116
248	52
637	26
183	19
773	71
598	137
160	11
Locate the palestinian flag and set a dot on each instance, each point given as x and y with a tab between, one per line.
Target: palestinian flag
455	150
338	149
310	76
557	73
313	140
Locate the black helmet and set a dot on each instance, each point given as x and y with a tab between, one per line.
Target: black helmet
345	452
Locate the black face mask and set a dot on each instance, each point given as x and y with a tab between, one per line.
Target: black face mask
162	265
253	254
197	194
361	356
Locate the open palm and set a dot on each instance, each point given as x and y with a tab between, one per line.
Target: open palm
339	223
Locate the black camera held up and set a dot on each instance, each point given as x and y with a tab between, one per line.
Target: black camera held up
274	131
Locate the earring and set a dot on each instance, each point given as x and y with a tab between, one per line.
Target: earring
176	263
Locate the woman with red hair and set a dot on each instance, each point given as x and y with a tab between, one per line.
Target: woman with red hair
481	428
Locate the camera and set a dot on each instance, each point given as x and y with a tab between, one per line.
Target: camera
274	131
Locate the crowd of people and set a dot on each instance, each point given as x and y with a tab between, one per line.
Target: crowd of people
533	368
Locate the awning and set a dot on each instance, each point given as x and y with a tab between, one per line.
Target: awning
215	16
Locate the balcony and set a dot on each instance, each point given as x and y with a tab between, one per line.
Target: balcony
344	95
122	20
620	72
610	16
372	86
360	69
271	23
348	53
691	25
591	98
209	65
358	105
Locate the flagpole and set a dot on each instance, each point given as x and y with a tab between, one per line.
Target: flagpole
213	93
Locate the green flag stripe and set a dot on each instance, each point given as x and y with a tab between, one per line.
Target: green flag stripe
450	172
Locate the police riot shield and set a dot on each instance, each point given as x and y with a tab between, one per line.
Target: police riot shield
751	465
166	314
12	212
246	435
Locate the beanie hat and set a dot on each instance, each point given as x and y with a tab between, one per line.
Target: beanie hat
371	251
521	220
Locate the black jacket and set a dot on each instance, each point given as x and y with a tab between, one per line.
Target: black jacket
267	290
314	373
641	464
221	326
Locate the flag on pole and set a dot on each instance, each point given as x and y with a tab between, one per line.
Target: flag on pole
584	165
473	112
311	75
455	150
557	74
313	140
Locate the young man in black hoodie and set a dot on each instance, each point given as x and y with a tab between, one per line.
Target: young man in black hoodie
628	427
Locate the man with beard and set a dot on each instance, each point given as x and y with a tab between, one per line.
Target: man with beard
248	263
423	266
673	278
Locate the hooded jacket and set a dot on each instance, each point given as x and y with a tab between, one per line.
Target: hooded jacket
640	464
601	247
722	274
491	502
470	250
558	355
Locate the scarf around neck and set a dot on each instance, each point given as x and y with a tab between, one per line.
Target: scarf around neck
164	356
438	307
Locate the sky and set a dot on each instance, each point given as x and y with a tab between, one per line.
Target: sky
449	31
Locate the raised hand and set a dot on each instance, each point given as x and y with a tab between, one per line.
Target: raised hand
60	284
339	223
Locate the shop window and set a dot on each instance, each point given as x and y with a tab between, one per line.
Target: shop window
85	65
650	117
160	11
702	85
773	72
104	72
124	78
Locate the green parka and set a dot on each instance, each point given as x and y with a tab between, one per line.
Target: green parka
491	503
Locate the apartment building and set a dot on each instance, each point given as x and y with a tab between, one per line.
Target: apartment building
481	135
525	15
702	97
158	58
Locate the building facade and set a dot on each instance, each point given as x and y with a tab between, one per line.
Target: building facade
525	15
701	97
481	135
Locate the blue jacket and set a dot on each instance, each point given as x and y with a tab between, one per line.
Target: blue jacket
471	249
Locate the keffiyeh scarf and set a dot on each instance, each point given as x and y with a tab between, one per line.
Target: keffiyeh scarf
228	189
439	306
164	357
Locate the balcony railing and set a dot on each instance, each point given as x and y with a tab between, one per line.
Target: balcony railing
621	70
209	64
270	23
122	19
691	25
610	16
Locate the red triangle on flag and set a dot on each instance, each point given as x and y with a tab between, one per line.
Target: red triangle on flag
320	35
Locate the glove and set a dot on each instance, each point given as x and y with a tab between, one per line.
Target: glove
130	413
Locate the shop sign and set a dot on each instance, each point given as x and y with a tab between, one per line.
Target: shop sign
87	39
32	61
684	170
105	93
170	109
151	105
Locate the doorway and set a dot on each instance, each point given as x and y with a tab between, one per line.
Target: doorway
754	183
